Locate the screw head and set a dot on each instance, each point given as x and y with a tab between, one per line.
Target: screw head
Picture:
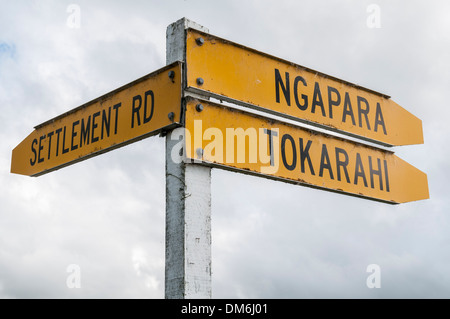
199	107
200	81
171	116
200	41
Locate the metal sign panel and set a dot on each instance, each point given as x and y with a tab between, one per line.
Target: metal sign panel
236	140
242	75
135	111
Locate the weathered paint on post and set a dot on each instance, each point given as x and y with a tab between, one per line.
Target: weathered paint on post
188	203
238	140
257	80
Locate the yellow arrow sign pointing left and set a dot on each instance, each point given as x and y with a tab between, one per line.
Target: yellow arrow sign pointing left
137	110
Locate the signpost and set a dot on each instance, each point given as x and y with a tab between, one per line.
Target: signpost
224	137
232	72
188	203
252	144
130	113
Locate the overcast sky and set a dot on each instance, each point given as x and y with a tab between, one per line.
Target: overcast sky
269	239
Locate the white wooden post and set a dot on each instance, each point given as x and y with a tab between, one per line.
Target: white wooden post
188	203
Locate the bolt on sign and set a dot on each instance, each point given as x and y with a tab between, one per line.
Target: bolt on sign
137	110
237	140
242	75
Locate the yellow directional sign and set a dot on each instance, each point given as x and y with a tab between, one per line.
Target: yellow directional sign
242	75
135	111
252	144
